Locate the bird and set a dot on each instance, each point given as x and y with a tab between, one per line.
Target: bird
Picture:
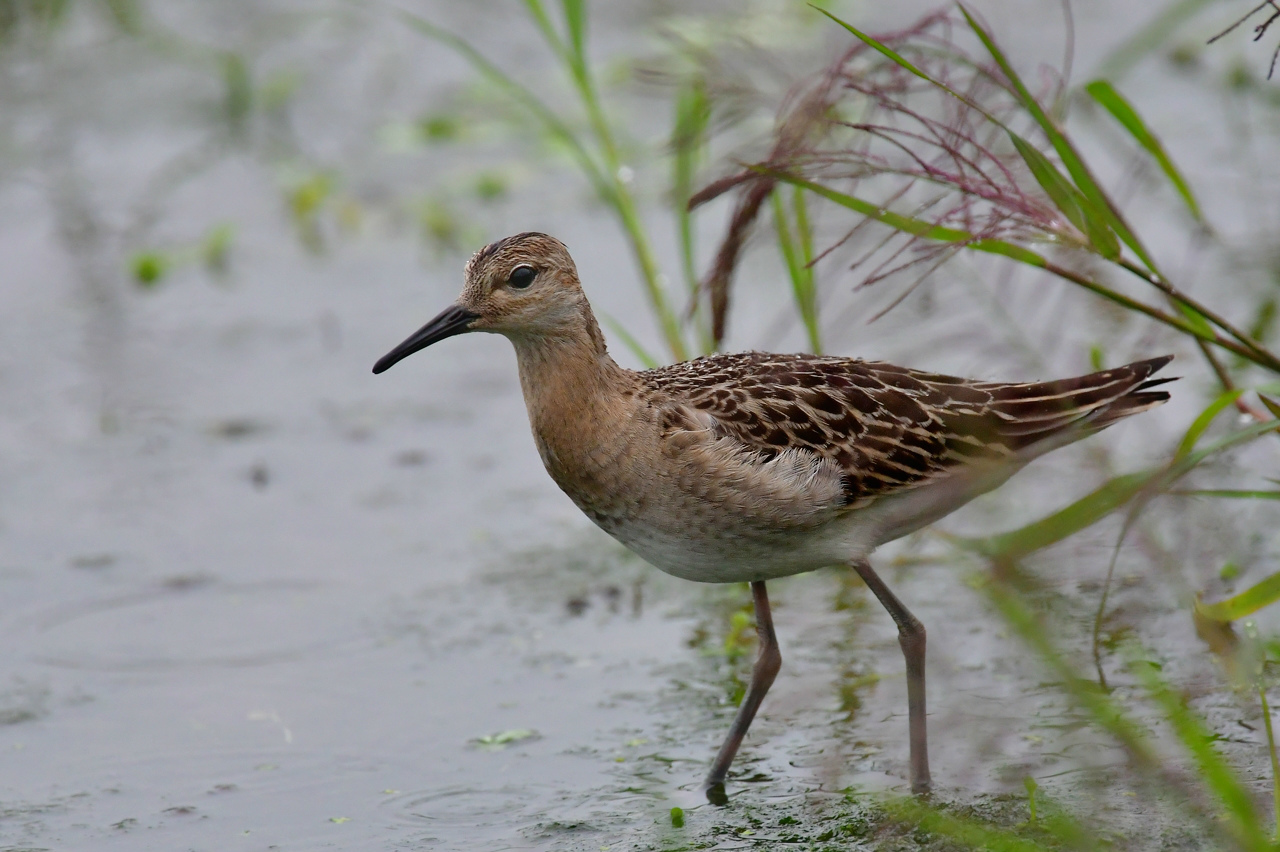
752	466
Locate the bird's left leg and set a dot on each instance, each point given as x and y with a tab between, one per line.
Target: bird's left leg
911	637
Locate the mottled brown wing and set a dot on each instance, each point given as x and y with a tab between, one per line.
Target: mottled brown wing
889	427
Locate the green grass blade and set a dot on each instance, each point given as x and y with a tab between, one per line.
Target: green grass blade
1137	739
1068	199
1105	711
1113	494
916	227
1155	35
1069	158
904	63
804	239
797	271
1275	761
1121	110
786	243
787	248
688	148
575	17
1261	594
1202	421
1058	829
521	96
1185	463
1071	832
1215	773
1097	200
1051	529
618	194
1064	196
1108	714
1098	219
636	347
970	833
906	224
603	175
1241	436
1101	217
877	45
1247	348
1011	250
1227	493
543	21
1194	317
928	230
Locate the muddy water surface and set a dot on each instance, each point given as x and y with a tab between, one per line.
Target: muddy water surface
255	598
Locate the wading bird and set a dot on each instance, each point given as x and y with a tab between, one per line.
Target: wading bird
752	466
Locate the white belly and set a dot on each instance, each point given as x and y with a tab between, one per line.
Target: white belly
707	554
704	544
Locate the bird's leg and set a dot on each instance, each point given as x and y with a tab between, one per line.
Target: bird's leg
912	639
768	661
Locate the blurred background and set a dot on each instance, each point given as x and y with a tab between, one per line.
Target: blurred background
253	597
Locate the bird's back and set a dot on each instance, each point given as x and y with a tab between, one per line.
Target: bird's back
890	428
778	464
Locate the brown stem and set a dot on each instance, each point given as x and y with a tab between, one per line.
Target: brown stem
1158	281
1257	356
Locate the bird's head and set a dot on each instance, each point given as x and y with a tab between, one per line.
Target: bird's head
524	286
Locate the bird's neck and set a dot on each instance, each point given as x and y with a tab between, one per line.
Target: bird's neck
576	395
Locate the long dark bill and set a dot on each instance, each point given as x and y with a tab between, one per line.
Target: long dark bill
452	320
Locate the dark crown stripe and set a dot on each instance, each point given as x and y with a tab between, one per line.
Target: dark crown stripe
497	246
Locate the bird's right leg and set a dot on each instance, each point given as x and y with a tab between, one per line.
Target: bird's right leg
768	661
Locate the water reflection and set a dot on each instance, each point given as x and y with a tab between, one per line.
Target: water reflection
193	622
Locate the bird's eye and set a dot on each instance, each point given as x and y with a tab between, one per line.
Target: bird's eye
522	276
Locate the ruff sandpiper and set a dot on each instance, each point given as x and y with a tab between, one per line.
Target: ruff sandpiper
746	467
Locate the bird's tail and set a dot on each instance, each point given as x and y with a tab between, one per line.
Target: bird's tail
1041	416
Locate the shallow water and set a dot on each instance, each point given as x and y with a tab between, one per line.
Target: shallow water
254	597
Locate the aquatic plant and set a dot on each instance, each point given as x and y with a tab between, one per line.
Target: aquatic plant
595	151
